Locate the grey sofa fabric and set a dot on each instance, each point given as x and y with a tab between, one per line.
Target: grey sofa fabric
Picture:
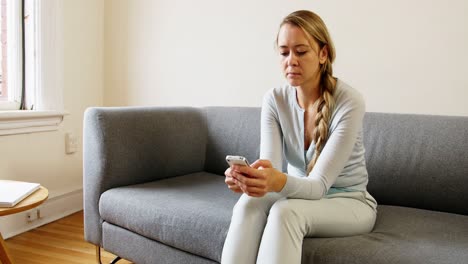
418	161
197	222
125	146
238	128
189	212
401	235
154	176
142	250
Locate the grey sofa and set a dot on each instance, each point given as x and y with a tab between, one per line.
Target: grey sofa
154	188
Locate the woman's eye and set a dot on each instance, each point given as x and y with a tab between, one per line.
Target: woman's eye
284	54
300	53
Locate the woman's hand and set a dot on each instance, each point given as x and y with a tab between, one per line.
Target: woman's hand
231	182
258	179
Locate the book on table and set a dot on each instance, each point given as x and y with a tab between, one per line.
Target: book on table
13	192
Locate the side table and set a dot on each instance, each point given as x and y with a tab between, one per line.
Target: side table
33	200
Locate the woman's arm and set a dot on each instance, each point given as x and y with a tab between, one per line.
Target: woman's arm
265	176
334	156
271	138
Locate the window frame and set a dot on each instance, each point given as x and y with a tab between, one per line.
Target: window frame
48	108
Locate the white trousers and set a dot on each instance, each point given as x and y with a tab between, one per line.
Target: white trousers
271	229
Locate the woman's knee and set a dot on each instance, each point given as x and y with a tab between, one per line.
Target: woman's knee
248	206
284	216
283	212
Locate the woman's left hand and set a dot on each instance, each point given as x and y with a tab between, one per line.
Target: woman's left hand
258	179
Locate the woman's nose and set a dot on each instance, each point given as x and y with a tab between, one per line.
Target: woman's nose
292	59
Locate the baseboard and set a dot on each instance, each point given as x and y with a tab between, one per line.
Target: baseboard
51	210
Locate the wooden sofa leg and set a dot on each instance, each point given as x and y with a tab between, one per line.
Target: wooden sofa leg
98	255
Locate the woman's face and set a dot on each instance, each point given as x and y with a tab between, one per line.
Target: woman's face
300	58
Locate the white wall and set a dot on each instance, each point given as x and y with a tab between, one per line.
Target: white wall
404	56
40	157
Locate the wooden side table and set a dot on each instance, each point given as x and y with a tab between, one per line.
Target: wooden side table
35	199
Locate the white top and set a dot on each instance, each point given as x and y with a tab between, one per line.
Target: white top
341	164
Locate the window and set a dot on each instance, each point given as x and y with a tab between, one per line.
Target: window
11	54
41	91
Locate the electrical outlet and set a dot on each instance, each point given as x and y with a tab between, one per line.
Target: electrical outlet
71	143
33	215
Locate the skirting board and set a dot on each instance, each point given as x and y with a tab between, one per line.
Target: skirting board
51	210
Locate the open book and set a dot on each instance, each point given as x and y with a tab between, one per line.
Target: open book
13	192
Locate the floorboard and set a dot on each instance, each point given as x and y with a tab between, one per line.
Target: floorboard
61	241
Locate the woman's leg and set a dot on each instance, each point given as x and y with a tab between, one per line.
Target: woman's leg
291	220
247	223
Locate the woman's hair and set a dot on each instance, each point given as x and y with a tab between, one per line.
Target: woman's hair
316	29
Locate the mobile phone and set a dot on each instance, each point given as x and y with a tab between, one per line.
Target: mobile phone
237	160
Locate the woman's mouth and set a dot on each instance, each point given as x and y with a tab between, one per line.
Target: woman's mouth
293	74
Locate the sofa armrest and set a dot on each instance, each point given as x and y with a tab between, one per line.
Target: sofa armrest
130	145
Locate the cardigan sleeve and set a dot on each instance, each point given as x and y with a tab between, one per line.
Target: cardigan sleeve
271	138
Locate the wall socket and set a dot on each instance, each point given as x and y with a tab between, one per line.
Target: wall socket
71	143
33	215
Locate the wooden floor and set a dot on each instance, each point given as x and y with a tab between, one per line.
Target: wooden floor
59	242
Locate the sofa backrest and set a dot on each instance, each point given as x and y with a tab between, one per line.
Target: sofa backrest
418	160
231	131
413	160
162	141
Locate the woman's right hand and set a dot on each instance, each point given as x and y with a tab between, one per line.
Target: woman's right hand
230	181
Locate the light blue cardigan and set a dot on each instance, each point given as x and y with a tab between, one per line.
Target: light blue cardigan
341	165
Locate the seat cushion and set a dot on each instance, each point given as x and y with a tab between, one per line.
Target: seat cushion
191	213
401	235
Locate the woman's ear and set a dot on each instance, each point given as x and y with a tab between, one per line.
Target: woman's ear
323	55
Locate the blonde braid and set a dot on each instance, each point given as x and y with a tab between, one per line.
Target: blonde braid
325	108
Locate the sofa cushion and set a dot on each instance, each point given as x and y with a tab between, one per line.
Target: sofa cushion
401	235
191	212
231	131
421	158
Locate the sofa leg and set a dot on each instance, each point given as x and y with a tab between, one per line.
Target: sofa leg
116	260
98	255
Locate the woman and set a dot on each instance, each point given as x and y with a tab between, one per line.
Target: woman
316	122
